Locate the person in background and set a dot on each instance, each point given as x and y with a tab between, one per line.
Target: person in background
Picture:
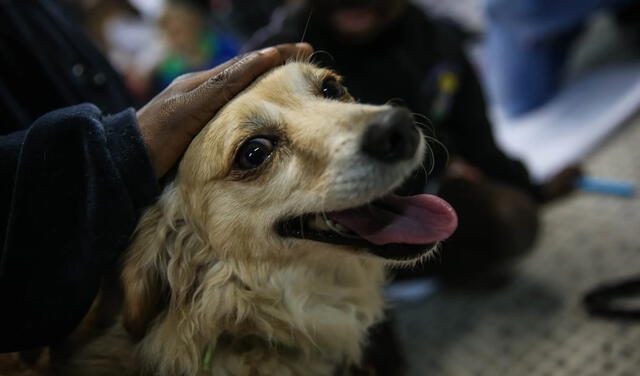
125	35
388	49
78	164
95	16
528	44
242	20
192	42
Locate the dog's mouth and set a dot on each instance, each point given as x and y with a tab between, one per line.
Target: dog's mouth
393	227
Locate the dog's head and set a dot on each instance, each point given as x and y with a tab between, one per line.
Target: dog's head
295	159
291	175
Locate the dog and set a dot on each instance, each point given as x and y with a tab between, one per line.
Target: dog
266	254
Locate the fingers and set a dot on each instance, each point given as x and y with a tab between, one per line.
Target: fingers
190	81
272	57
215	91
298	51
562	184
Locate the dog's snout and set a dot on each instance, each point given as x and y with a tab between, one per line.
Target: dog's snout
392	136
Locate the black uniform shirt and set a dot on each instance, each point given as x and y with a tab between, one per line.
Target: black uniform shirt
73	176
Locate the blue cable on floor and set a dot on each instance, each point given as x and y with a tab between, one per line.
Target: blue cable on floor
606	186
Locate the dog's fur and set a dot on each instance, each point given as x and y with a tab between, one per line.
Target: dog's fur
208	275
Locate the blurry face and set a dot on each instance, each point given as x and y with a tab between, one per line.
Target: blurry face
358	20
182	26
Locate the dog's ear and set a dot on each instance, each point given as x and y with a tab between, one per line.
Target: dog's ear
143	273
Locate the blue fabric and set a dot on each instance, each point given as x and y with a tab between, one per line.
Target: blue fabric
527	43
532	20
523	78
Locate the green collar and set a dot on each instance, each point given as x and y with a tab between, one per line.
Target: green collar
206	357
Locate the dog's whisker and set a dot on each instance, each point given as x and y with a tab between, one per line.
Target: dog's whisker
424	122
396	102
422	116
425	127
432	140
427	171
306	27
432	161
320	52
301	58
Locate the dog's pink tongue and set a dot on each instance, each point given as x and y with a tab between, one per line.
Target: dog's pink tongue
421	219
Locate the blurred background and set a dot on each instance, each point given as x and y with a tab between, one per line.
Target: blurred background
587	54
562	86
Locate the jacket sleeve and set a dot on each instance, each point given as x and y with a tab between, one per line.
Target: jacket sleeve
71	189
473	139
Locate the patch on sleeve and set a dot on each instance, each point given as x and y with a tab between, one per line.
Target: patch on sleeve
441	86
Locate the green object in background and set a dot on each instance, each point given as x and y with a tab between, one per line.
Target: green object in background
175	64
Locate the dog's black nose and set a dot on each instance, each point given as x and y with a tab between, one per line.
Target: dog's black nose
392	136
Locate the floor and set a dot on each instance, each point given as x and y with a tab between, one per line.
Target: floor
536	324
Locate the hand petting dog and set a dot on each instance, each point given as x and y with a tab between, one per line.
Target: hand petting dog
174	117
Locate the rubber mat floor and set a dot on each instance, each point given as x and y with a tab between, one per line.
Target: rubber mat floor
536	324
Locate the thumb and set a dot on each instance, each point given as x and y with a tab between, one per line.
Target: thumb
214	92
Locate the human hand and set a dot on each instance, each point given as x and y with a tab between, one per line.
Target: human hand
174	117
459	168
561	184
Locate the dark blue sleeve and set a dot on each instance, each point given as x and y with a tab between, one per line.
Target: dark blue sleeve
71	189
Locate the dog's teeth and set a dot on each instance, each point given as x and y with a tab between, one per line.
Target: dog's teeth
322	223
337	226
340	227
319	223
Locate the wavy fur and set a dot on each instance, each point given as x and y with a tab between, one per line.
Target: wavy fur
206	272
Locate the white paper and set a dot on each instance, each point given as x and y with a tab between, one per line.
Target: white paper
580	117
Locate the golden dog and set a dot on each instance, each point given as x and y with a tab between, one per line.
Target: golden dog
266	255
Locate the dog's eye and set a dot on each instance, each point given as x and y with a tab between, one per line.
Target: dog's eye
332	89
254	153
